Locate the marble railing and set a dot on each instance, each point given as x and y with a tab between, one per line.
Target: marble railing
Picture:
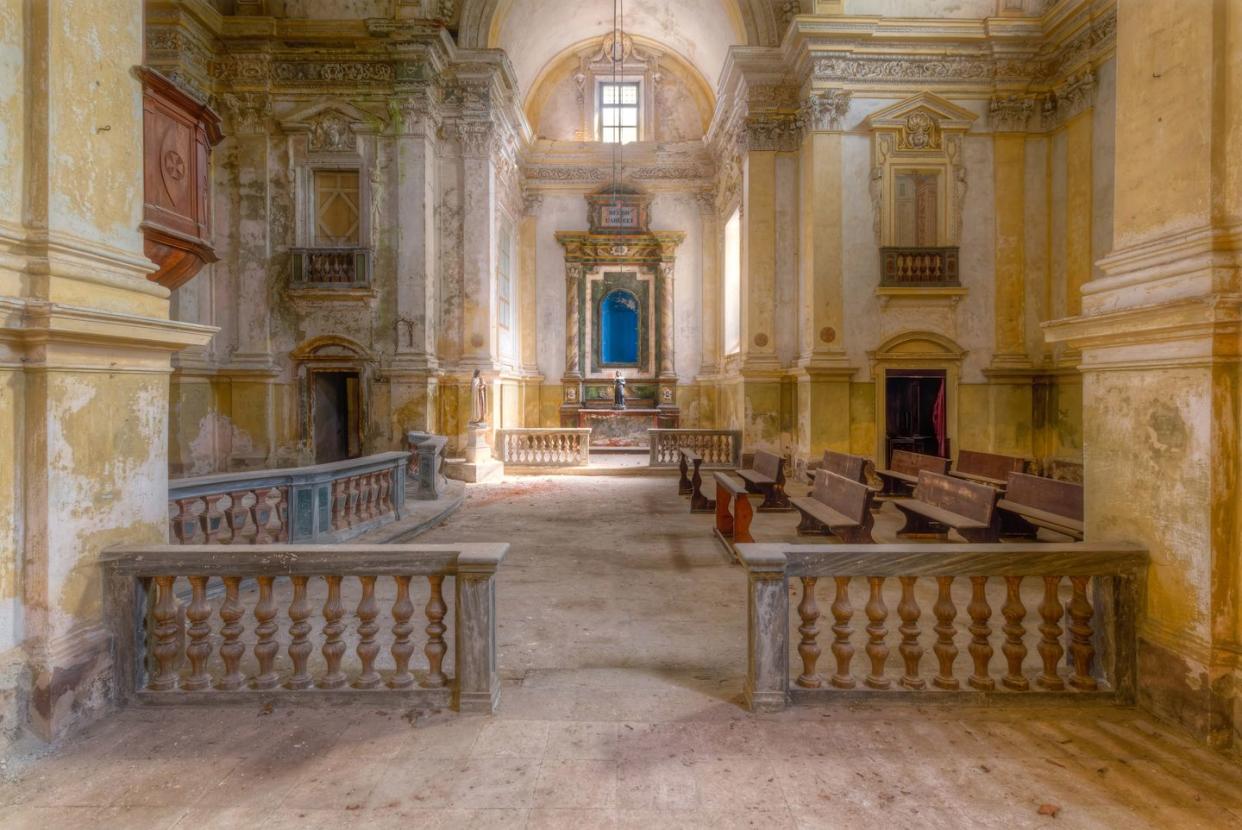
323	503
1057	600
567	447
721	448
915	267
303	622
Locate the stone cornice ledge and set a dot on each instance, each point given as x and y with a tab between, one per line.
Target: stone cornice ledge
40	322
1191	333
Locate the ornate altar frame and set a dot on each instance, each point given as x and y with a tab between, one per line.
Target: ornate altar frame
619	241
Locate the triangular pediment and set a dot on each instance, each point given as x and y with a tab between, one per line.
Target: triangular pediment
948	115
334	109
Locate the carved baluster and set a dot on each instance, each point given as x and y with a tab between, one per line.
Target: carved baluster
945	650
262	512
980	647
402	628
339	500
1081	648
877	613
213	519
231	649
199	648
1050	650
282	513
385	488
333	645
166	630
355	501
299	634
436	609
368	646
265	629
911	651
842	650
1014	648
185	524
808	649
236	516
372	485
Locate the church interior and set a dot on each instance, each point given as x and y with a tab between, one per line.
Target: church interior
620	413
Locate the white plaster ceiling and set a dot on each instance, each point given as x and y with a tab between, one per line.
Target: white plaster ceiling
534	32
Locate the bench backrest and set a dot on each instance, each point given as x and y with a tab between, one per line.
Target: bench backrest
913	463
1060	497
853	467
850	498
965	498
769	464
989	465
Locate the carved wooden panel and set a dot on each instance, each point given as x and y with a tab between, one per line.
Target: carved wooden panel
178	134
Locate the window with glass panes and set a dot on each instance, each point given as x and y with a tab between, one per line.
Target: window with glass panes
618	112
504	282
337	211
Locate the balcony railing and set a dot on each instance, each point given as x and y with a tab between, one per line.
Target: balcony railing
333	268
919	268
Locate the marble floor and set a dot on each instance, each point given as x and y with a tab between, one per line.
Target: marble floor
621	633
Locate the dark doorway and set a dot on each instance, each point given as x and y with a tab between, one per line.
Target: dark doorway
917	411
336	416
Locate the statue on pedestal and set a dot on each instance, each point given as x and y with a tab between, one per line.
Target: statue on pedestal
618	391
478	399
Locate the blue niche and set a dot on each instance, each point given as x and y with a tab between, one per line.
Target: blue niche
618	321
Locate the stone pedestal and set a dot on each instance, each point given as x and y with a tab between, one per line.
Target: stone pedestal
478	465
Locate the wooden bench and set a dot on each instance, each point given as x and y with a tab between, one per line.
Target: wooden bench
853	467
732	525
941	502
686	460
987	468
837	506
767	478
1035	502
904	470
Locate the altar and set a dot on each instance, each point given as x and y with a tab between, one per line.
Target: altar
619	321
622	428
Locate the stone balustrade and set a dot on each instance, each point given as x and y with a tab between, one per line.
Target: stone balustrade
426	468
554	447
1055	601
302	622
719	448
919	267
323	503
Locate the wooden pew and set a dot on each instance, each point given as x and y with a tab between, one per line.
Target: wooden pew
987	468
1034	502
837	506
687	458
853	467
903	474
732	525
699	502
942	502
767	478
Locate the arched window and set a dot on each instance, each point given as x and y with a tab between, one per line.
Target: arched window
619	329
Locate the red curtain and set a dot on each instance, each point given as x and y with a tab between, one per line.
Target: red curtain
938	418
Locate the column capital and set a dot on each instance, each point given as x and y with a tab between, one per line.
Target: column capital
823	110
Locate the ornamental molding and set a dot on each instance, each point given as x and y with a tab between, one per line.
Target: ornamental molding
775	132
600	248
1074	96
591	174
248	112
825	109
331	126
1012	113
844	68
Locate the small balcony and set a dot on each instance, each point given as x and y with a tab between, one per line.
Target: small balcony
919	268
331	268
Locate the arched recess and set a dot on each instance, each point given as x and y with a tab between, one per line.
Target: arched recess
572	67
338	359
916	352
